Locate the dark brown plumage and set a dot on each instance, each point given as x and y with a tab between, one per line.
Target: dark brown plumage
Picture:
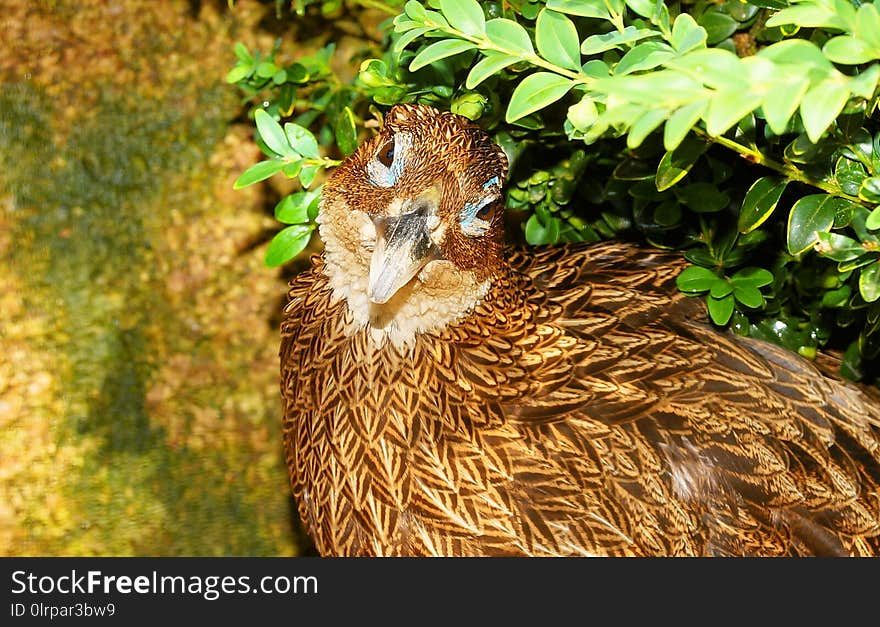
445	396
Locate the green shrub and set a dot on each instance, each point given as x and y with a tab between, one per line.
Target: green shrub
741	133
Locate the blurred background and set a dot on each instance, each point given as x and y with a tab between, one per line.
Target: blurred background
139	403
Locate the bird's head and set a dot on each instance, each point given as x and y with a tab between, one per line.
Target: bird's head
412	221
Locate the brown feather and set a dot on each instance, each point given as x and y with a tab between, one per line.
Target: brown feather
581	407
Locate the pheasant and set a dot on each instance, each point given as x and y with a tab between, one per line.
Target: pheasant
445	395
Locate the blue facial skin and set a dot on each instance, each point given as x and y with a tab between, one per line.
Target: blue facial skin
386	177
381	176
469	213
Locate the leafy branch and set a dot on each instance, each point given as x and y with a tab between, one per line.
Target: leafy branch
292	150
647	117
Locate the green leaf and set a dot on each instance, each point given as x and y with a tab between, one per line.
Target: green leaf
596	68
660	16
439	50
237	73
258	172
307	175
293	209
266	69
821	106
729	106
594	44
720	309
782	100
402	23
538	234
869	282
696	279
675	164
272	134
837	298
700	256
636	170
407	38
415	10
807	15
719	26
493	63
509	37
667	214
848	50
583	8
715	67
434	17
868	24
810	215
869	190
557	39
242	53
758	277
645	8
803	54
681	122
864	84
687	34
702	197
848	266
749	295
535	92
720	288
345	131
291	168
849	175
644	56
760	201
851	364
465	15
583	114
287	244
838	247
844	213
873	221
530	10
859	226
644	125
315	204
297	73
302	140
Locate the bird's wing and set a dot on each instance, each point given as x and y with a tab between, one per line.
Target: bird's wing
686	439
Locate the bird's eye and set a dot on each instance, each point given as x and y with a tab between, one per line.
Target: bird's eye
476	218
389	161
386	154
484	211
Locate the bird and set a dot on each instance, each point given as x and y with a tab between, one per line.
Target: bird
447	394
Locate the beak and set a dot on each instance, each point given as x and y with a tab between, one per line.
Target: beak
403	247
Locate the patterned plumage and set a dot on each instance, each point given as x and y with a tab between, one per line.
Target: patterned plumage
446	396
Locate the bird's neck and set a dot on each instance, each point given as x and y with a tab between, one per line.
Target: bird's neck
438	297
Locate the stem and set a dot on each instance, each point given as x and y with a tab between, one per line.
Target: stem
484	44
616	18
322	162
790	172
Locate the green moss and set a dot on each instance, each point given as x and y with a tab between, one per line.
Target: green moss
89	209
